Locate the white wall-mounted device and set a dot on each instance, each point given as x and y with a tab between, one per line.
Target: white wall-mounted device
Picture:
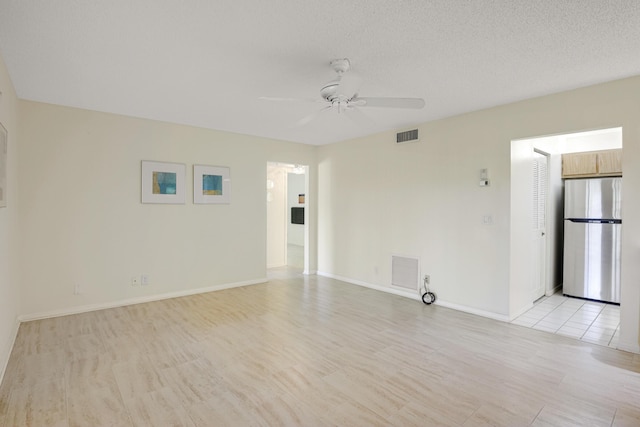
484	177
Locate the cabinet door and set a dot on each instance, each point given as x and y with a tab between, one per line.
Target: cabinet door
610	162
577	164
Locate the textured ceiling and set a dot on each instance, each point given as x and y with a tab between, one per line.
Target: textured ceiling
207	63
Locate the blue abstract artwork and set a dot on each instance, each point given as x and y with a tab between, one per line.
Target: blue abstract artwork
164	183
212	185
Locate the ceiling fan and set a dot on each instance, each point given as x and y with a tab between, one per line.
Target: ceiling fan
342	94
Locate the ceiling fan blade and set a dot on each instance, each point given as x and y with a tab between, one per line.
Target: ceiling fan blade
307	119
278	99
358	117
273	98
415	103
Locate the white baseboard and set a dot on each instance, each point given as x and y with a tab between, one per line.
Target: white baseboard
132	301
12	342
472	310
521	311
408	294
394	291
275	265
554	290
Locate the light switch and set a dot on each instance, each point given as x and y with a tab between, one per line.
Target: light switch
484	177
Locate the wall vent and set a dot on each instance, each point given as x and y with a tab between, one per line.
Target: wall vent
407	136
405	272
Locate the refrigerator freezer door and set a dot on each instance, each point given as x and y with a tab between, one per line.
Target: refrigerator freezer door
597	198
591	266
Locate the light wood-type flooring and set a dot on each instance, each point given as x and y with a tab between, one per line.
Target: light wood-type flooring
309	351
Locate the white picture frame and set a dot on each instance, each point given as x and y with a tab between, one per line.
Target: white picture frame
163	182
211	184
4	142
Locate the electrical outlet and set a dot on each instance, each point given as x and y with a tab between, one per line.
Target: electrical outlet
145	280
427	279
135	281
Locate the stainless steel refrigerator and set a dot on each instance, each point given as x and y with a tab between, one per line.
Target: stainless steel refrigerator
592	233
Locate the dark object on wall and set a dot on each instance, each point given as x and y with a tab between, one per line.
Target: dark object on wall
297	215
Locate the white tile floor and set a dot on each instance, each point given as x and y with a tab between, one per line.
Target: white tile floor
591	321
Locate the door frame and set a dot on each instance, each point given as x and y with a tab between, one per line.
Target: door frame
520	210
286	168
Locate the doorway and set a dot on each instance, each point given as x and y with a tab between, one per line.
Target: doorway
529	266
287	216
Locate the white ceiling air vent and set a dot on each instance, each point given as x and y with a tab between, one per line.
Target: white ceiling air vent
407	136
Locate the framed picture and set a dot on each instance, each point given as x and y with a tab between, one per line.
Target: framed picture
211	184
163	182
3	166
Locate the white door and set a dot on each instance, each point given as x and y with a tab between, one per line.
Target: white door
539	226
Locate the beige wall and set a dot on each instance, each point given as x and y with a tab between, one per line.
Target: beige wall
9	274
83	223
81	220
377	198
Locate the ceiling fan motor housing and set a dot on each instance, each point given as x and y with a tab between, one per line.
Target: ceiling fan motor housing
341	65
328	91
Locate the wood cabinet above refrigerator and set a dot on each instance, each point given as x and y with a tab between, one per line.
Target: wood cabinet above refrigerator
592	164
